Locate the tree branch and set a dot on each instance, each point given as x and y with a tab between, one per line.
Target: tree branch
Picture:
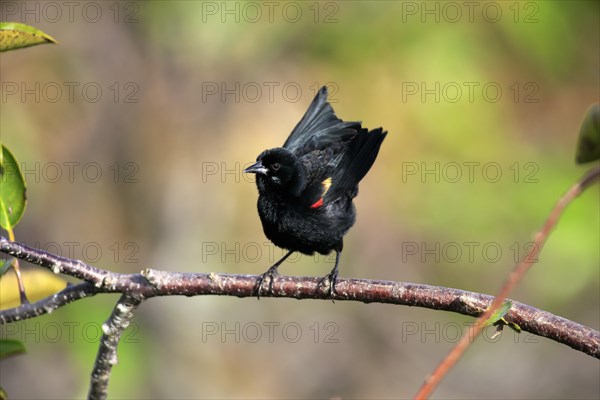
49	304
107	351
151	283
55	263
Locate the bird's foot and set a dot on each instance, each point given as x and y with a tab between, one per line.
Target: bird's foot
331	279
271	274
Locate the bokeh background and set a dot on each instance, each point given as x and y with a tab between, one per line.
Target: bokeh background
133	133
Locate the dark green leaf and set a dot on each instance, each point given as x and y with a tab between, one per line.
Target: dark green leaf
588	148
6	266
9	347
513	326
14	35
12	190
501	322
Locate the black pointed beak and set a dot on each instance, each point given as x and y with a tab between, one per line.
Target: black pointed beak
256	168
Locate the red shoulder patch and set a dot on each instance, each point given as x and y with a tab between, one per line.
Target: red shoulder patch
326	185
317	204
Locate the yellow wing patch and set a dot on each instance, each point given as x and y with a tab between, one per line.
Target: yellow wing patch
326	185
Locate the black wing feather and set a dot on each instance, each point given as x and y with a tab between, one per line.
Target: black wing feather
354	163
319	127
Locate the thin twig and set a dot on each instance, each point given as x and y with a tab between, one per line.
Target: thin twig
511	282
49	304
107	351
22	294
17	269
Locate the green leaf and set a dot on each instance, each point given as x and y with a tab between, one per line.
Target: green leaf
499	314
588	147
9	347
6	266
12	191
14	35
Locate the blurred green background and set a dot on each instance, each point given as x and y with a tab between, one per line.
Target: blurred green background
133	132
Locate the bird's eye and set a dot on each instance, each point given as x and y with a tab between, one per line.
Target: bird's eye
275	166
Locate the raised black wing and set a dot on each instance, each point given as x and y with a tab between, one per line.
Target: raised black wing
319	127
336	171
354	163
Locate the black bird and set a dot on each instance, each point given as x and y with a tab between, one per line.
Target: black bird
306	187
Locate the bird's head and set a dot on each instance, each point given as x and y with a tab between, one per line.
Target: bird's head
279	168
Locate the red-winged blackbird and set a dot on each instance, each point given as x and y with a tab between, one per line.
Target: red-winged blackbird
306	187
